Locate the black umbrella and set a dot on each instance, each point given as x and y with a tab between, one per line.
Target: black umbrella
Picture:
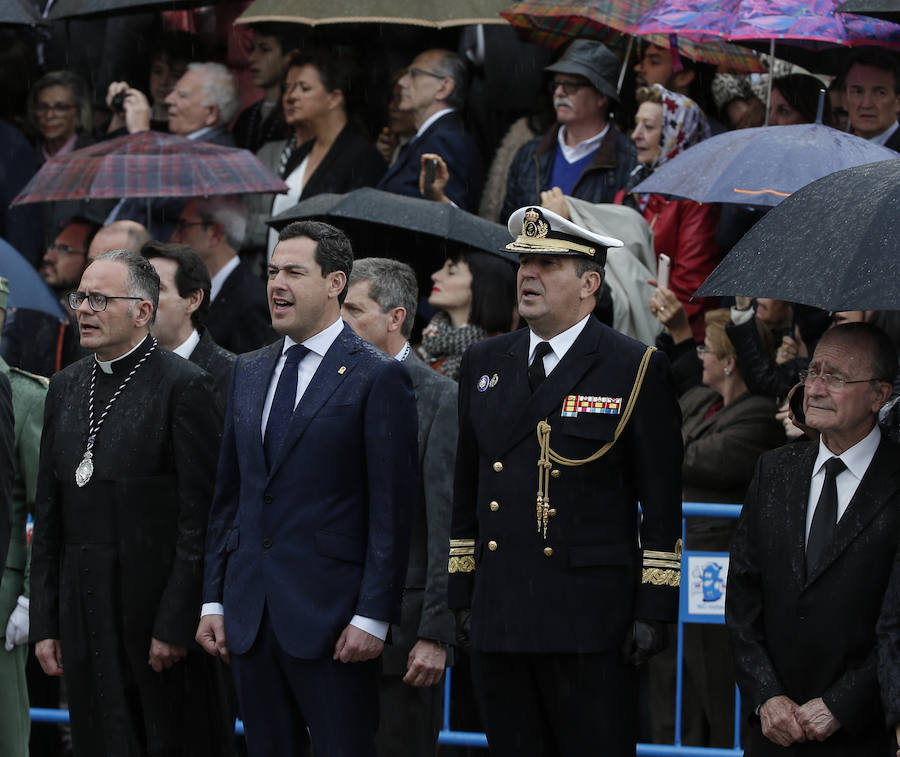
887	10
74	8
19	12
832	244
418	232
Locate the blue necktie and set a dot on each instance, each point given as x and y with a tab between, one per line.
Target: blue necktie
283	404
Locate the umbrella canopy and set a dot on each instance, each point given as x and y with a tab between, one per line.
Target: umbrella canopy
555	22
26	288
416	12
418	232
812	23
886	10
150	164
73	8
832	244
19	13
760	166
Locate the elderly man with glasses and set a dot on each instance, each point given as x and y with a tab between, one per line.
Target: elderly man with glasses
811	560
584	155
433	89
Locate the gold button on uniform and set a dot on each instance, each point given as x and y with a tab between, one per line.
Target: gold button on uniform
498	466
552	512
492	545
548	551
555	473
495	505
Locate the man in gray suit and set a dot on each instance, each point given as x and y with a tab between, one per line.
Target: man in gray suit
380	307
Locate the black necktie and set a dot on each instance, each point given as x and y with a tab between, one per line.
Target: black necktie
536	374
283	403
825	516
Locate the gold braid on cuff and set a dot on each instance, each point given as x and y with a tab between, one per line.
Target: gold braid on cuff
462	556
662	568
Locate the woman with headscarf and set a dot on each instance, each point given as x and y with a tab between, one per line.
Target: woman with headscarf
668	123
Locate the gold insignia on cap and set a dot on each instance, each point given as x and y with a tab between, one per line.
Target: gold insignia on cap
534	225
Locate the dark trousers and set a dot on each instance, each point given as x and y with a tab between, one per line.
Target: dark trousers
556	705
410	718
280	696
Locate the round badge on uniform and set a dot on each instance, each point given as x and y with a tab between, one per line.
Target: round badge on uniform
483	383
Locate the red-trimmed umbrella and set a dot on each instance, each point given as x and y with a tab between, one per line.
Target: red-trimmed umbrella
150	164
555	22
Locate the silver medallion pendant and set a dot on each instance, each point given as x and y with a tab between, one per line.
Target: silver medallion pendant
85	470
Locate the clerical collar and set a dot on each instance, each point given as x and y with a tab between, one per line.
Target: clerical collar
187	347
107	365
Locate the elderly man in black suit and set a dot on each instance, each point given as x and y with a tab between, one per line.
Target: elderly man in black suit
181	315
238	310
381	307
571	589
433	89
124	486
811	559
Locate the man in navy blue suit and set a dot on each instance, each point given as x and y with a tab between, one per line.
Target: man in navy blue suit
310	523
432	90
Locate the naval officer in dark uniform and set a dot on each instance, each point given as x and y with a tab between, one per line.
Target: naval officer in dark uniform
564	428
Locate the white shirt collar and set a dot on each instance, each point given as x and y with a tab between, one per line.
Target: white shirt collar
881	139
560	343
318	343
218	281
200	132
404	352
857	458
430	120
106	365
582	149
186	348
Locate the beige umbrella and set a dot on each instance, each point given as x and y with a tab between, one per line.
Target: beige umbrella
416	12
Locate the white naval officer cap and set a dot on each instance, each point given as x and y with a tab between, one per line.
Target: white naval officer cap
539	231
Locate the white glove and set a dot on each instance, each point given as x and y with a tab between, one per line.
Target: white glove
17	625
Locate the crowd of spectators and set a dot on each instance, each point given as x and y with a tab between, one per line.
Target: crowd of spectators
578	143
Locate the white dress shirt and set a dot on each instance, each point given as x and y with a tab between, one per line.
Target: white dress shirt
559	345
881	139
857	460
318	345
218	281
430	120
187	347
582	149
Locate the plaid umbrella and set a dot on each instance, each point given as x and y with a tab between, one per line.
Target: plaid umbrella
811	24
150	164
554	22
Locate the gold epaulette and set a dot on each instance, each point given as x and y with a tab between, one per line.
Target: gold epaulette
462	556
662	568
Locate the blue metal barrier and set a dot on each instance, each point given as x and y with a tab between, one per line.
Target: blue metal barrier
472	739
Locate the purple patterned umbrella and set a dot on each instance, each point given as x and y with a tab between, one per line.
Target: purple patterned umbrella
150	164
812	23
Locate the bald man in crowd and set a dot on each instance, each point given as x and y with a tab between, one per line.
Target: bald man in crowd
118	235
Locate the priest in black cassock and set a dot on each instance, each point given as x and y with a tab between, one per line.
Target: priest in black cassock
128	460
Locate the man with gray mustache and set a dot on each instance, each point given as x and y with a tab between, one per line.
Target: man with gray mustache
584	155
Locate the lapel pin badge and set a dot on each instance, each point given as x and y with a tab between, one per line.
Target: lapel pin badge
483	383
342	370
493	382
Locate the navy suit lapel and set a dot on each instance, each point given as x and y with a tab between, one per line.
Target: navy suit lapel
327	378
257	379
877	487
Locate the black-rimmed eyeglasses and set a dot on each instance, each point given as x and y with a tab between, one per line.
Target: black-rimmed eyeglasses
97	301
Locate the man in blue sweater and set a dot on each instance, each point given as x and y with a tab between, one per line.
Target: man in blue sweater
584	155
